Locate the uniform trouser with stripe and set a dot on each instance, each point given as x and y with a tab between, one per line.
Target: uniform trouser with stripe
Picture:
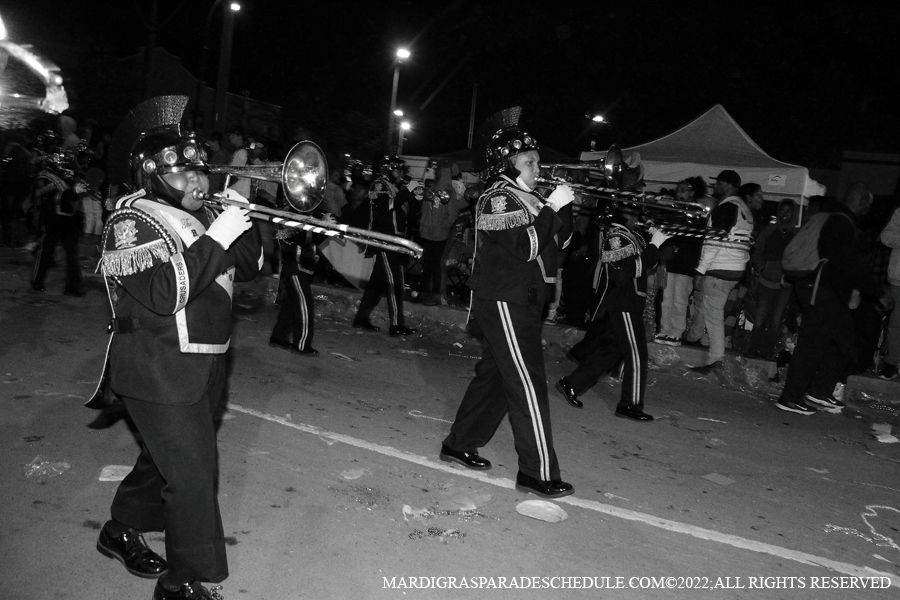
613	337
386	280
296	319
509	378
174	482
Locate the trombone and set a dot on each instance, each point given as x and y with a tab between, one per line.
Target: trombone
613	169
302	176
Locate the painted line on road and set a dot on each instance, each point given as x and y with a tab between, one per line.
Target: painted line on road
607	509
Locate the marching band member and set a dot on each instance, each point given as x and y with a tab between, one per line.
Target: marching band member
388	206
519	238
616	331
59	197
171	264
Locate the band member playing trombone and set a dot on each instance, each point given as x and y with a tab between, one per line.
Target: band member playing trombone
518	239
616	331
171	264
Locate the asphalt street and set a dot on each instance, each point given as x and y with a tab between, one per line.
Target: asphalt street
331	486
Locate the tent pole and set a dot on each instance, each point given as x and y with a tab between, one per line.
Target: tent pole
472	114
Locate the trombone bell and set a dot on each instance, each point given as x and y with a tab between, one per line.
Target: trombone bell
304	175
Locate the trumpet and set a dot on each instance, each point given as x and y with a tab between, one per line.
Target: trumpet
302	176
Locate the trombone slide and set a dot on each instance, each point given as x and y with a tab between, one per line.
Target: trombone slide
376	239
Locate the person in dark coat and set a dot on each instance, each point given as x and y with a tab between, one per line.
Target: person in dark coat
519	237
171	263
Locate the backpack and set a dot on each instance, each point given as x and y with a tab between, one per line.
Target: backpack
801	256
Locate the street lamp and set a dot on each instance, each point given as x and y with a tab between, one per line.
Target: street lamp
224	63
402	54
596	120
404	126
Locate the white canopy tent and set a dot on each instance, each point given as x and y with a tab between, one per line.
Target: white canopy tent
714	142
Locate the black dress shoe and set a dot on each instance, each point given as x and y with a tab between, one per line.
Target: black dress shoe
633	413
187	591
401	330
365	324
568	393
466	459
306	351
37	287
131	550
545	489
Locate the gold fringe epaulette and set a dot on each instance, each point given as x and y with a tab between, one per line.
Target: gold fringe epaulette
620	246
611	256
503	221
501	209
117	263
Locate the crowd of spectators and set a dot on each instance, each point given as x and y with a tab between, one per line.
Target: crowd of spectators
707	295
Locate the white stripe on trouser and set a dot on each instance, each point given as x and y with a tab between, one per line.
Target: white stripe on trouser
301	343
391	297
635	360
530	395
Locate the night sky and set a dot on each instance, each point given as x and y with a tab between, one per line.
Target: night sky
805	84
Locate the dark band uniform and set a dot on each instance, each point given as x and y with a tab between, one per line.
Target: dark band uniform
170	291
519	239
616	331
296	319
62	220
387	214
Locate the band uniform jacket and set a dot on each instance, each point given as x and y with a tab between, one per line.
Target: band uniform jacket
620	279
388	206
170	290
298	250
518	244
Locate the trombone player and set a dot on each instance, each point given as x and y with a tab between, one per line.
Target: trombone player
518	239
171	263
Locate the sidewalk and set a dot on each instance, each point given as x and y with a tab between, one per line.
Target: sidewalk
750	371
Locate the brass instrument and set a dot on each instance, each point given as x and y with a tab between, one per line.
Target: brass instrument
302	176
613	169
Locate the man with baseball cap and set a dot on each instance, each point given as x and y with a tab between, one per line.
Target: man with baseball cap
721	266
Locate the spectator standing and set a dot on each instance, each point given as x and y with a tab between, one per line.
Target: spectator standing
772	292
334	200
680	256
721	266
439	210
825	342
890	237
240	157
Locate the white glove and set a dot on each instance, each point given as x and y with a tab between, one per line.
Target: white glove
657	237
561	196
229	226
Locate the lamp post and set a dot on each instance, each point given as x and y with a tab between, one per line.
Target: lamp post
201	75
404	126
224	64
402	54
